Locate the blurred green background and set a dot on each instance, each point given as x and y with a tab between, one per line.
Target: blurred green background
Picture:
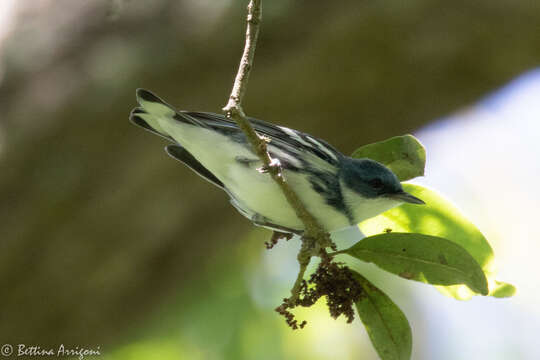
106	241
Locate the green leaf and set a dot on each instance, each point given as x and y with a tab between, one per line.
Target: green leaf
404	155
502	290
386	325
439	217
424	258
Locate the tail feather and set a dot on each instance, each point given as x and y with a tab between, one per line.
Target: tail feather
153	104
152	109
141	118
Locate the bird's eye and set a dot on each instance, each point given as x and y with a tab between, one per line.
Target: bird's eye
376	183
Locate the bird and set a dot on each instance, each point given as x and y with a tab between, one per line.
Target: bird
339	191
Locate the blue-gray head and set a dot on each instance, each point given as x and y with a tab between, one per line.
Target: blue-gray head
370	188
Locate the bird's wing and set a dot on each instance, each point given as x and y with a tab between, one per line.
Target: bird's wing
295	149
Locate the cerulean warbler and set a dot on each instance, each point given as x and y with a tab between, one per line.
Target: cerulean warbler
337	190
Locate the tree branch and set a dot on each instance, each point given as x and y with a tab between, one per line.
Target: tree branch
254	18
315	238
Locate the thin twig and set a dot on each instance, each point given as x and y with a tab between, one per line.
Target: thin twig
254	18
313	230
304	257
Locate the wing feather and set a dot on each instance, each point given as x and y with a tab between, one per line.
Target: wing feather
284	142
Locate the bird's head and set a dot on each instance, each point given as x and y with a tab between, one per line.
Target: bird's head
371	188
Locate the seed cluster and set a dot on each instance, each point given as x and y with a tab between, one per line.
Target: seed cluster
333	280
276	236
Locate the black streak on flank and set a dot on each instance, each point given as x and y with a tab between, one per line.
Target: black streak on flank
327	185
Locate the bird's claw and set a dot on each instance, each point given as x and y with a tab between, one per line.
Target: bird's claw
274	163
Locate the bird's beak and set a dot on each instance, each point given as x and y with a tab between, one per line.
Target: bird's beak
406	197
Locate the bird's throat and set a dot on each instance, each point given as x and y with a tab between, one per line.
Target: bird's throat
363	208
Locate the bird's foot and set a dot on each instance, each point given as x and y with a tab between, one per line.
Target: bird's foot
274	163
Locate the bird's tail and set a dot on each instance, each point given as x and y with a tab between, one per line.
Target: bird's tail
152	109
